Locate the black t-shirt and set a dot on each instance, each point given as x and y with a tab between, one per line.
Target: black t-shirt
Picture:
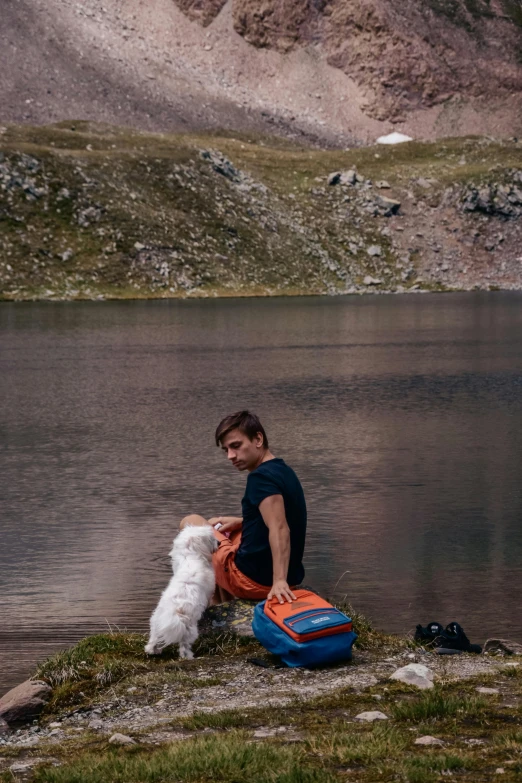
254	556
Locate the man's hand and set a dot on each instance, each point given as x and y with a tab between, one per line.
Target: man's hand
228	524
281	591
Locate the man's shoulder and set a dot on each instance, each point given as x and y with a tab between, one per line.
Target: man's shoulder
275	468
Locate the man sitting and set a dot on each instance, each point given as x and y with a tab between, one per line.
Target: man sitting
261	557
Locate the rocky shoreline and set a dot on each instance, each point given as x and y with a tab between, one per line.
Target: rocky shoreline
115	696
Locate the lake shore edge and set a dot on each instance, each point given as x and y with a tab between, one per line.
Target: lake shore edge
116	714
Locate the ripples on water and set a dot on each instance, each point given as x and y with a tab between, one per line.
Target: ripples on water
401	415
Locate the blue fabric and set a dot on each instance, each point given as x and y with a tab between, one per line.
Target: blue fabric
317	652
254	556
313	619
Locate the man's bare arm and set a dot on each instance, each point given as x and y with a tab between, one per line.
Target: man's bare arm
228	524
273	512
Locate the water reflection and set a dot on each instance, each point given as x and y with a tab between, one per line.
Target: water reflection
401	416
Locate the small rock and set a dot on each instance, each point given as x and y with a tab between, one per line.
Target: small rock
95	724
132	689
368	280
388	206
374	250
487	690
138	246
121	739
371	715
394	138
427	740
334	178
382	184
498	646
30	741
377	697
25	701
55	725
263	732
500	771
414	674
20	767
350	177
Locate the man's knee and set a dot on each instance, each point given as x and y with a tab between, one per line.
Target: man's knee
192	519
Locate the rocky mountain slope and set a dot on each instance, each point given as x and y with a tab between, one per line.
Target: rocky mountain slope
325	71
92	211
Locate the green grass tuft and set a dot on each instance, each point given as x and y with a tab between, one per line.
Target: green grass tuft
231	758
422	768
378	744
436	704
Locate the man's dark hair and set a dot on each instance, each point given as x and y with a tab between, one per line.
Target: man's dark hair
245	422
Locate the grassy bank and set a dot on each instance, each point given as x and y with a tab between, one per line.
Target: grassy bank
219	718
91	211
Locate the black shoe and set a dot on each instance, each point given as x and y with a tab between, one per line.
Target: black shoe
428	634
454	638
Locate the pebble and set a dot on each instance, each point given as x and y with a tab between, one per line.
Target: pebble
414	674
427	740
371	715
20	767
374	250
121	739
487	690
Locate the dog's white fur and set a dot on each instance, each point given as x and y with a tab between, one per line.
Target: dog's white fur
188	593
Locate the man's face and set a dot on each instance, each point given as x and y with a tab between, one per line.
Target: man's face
242	452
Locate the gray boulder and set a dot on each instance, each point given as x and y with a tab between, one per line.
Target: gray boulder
25	701
414	674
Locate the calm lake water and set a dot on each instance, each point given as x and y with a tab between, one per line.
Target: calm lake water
401	415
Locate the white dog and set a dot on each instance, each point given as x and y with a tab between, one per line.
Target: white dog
188	593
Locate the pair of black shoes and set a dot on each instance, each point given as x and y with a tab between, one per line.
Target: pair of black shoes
445	641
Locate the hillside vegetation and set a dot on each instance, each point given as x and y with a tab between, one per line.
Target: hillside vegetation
91	211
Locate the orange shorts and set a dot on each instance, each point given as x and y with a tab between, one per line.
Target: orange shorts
228	574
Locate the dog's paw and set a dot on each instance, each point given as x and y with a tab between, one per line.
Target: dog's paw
152	649
186	653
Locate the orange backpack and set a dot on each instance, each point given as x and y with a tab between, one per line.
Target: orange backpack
306	632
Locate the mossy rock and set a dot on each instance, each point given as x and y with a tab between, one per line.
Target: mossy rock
232	617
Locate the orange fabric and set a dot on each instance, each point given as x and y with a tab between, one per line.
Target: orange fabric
307	601
228	575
